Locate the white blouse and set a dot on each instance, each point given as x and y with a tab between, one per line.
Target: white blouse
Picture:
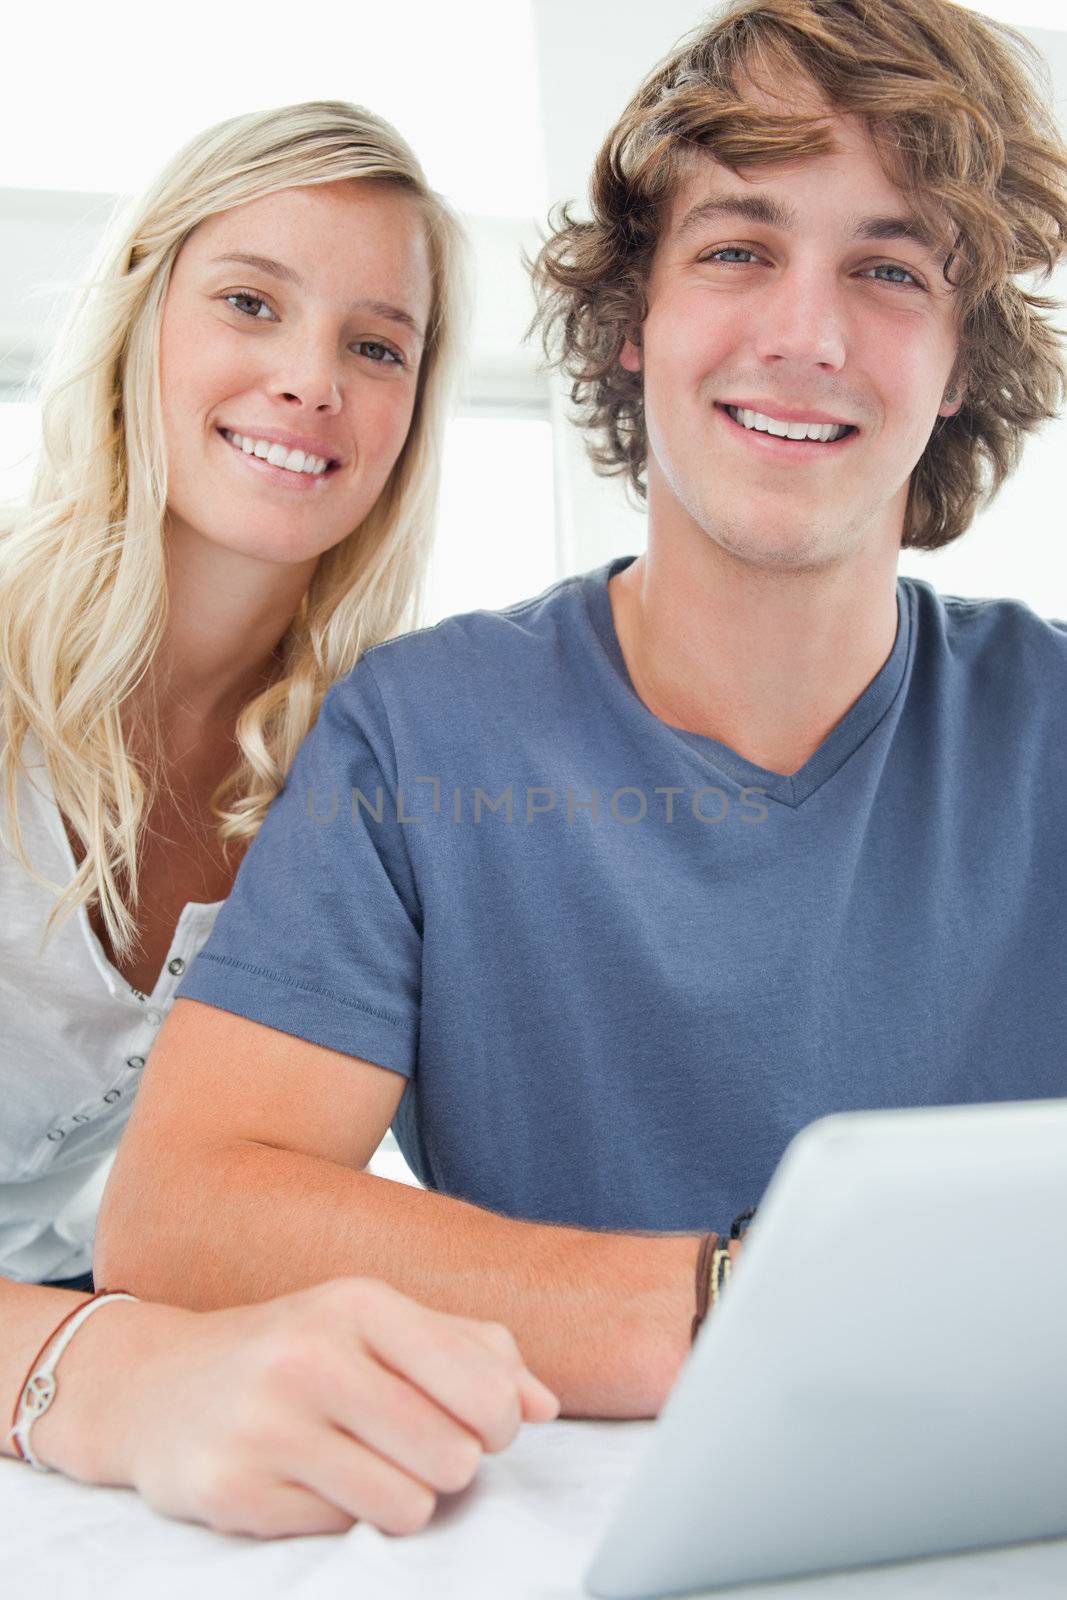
74	1038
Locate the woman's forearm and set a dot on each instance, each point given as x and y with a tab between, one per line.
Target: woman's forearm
81	1433
28	1314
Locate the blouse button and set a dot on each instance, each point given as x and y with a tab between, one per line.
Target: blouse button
135	1062
154	1017
112	1095
177	966
77	1117
56	1134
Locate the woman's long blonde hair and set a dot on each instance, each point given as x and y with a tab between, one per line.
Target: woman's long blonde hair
83	599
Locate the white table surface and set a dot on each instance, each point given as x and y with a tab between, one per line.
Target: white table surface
525	1530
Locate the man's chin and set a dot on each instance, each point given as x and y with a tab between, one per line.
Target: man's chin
776	550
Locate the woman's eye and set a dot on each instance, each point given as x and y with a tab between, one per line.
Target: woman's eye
249	299
382	353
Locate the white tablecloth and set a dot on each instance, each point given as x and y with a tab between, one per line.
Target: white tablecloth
525	1530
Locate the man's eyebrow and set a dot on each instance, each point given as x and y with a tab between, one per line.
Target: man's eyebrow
278	269
776	214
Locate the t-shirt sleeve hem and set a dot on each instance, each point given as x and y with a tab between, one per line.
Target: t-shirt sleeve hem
302	1010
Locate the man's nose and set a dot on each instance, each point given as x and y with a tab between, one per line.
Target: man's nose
803	320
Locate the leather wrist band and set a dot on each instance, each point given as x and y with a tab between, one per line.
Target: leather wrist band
705	1254
40	1388
714	1266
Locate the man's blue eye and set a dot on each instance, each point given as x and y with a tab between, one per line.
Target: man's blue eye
883	266
889	266
729	249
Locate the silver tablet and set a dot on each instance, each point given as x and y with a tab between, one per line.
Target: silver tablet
886	1374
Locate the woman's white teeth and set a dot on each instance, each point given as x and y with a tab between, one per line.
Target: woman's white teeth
278	455
824	432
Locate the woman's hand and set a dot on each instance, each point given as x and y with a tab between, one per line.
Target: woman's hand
341	1403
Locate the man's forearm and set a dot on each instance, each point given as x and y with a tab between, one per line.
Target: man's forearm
602	1318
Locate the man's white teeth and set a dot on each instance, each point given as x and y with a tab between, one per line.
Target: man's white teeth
824	432
278	455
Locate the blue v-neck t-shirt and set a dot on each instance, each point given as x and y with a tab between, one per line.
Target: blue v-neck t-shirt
619	965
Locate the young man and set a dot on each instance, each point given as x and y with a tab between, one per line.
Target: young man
603	897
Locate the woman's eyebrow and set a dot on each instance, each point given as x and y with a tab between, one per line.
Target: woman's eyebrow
775	213
278	269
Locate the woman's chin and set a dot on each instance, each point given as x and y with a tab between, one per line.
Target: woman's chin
280	542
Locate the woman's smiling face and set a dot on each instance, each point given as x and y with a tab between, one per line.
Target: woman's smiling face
293	323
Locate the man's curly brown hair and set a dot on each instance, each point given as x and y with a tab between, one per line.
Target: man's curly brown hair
959	109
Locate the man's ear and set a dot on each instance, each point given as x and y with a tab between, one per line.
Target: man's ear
953	399
630	355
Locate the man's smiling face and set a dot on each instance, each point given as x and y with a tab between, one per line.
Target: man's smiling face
794	300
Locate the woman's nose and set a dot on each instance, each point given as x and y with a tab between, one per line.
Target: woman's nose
308	376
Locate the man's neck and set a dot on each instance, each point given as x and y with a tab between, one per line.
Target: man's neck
765	660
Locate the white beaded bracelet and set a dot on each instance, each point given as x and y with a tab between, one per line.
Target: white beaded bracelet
39	1390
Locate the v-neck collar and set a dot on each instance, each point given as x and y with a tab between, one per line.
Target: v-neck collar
840	743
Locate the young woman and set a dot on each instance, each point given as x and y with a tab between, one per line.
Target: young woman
241	438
